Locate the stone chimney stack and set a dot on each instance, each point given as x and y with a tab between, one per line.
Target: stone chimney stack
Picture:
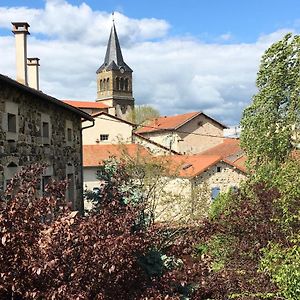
20	30
33	64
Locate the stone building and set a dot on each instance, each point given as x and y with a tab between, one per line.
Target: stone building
38	128
188	133
198	180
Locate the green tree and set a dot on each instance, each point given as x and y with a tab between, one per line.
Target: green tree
142	113
270	123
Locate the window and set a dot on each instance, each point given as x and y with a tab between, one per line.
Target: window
11	122
104	84
69	134
215	191
103	137
107	84
218	169
117	83
45	129
122	84
126	84
101	85
45	181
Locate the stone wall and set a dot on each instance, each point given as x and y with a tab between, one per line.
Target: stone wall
57	144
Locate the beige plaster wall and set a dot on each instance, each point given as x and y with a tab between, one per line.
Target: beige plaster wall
154	149
205	134
118	131
191	198
197	135
166	138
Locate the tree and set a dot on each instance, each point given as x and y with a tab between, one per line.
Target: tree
49	252
271	122
142	113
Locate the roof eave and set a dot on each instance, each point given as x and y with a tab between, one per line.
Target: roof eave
46	97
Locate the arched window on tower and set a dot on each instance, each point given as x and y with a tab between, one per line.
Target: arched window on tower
126	84
101	85
117	83
104	85
122	84
107	84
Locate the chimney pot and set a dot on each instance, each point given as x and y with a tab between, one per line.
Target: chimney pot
33	64
20	30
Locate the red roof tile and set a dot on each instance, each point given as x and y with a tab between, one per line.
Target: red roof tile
93	155
191	165
194	165
171	122
229	147
85	104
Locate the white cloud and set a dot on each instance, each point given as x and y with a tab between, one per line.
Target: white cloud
226	36
173	74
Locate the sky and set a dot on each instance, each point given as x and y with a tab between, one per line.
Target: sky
191	55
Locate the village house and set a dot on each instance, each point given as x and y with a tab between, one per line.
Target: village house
188	133
200	178
38	128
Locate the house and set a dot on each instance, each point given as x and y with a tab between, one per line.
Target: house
94	155
198	180
38	128
108	129
187	133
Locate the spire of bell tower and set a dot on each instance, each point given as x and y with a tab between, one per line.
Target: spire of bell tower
114	78
113	58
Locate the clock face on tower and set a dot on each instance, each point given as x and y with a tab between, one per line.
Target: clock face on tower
122	70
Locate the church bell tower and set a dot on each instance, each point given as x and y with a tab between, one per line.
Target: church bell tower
114	79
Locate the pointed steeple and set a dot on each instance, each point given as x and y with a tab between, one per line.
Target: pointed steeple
113	57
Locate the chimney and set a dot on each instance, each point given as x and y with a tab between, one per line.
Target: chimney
33	72
20	30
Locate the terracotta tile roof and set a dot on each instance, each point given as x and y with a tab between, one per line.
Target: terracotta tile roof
93	155
230	149
241	162
85	104
189	166
171	122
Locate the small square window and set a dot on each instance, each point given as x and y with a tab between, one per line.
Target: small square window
11	122
215	191
45	129
218	169
69	134
103	137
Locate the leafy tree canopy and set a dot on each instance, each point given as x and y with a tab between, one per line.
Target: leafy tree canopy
270	123
143	113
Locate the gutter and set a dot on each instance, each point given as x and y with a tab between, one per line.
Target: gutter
81	208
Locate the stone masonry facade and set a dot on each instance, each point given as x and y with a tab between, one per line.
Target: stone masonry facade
34	130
